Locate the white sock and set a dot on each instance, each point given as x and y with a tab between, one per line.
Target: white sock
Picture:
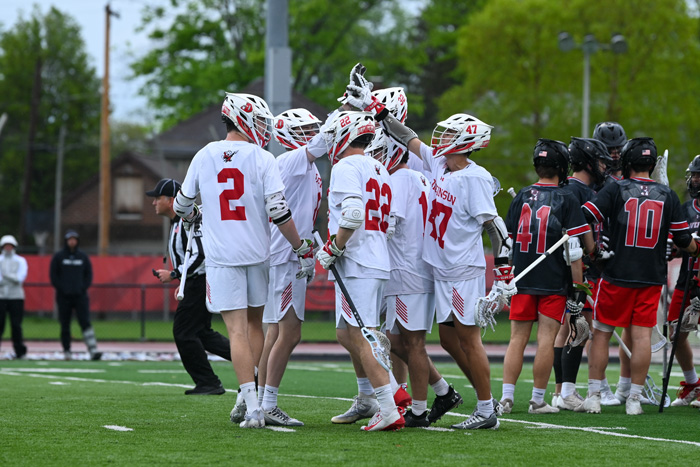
440	387
393	383
239	398
538	395
593	386
635	389
251	399
567	389
269	401
261	394
690	376
385	397
624	383
404	386
418	408
604	386
508	391
364	386
485	408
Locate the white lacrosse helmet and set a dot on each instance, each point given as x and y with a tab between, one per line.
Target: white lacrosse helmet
250	114
345	128
394	99
8	240
460	134
385	149
294	128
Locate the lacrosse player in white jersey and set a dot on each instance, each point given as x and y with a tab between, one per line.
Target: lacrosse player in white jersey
240	188
409	295
298	131
460	207
359	204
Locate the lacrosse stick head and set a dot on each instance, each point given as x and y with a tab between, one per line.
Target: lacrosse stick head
486	309
658	341
579	330
381	346
653	393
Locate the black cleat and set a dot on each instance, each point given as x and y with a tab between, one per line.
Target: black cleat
414	421
206	391
442	404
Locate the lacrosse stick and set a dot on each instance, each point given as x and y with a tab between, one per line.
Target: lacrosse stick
651	390
378	342
487	307
660	170
578	326
677	333
511	192
188	253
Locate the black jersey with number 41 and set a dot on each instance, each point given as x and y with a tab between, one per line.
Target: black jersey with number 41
535	221
641	213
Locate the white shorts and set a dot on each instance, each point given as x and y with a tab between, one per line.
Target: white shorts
366	294
415	312
285	291
237	287
458	298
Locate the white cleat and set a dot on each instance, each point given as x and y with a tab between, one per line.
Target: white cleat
591	404
238	412
622	395
633	405
391	422
507	405
607	398
541	407
255	419
278	417
556	397
570	402
362	407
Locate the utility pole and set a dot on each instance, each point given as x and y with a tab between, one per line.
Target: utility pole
57	237
29	161
105	204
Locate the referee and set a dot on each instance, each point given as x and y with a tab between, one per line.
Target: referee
192	324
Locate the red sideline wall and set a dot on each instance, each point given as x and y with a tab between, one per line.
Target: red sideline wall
135	271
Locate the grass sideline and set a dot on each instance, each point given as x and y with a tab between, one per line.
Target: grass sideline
55	413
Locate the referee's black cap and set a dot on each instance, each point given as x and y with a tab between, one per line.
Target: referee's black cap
165	187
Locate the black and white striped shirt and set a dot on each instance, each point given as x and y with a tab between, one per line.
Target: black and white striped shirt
177	245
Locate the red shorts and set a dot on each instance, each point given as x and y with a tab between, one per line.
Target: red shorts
594	293
525	307
674	308
624	306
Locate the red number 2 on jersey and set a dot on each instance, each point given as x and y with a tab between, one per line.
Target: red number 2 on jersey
237	213
374	205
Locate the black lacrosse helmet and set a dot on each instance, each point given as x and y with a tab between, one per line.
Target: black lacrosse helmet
552	153
584	154
613	136
693	167
638	152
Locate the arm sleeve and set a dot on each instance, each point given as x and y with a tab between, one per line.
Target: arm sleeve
429	162
479	199
272	180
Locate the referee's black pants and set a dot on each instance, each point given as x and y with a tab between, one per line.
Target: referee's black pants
194	336
15	308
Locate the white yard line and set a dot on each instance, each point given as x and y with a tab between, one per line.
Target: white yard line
117	428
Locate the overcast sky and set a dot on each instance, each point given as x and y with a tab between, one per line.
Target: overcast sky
125	41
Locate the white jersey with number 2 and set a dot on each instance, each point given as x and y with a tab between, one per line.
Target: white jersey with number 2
234	178
460	202
362	177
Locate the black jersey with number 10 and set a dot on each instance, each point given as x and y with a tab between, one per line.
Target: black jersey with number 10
641	213
535	221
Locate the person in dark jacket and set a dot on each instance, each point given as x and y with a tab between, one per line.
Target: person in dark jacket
71	276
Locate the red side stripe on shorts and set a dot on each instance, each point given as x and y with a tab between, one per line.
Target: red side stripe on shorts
286	296
401	310
345	306
208	292
457	302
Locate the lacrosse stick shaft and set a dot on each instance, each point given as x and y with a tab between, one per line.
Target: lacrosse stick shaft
511	192
541	258
185	264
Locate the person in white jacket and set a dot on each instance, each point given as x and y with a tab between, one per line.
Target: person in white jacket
13	272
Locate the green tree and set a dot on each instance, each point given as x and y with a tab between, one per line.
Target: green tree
69	95
516	78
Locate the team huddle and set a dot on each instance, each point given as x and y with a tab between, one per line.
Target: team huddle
405	226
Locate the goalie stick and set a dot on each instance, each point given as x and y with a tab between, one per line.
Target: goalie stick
188	253
378	342
651	390
487	307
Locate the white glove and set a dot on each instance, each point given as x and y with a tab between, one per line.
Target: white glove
307	263
503	283
357	78
691	315
671	249
329	253
602	252
574	306
391	230
194	218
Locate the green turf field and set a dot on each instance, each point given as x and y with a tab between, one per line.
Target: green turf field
58	413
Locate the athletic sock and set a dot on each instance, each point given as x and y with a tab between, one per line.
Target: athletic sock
251	399
604	385
440	387
418	408
261	395
624	384
385	397
570	363
364	386
538	395
404	386
485	408
567	389
635	389
269	401
558	375
690	376
593	386
508	391
393	383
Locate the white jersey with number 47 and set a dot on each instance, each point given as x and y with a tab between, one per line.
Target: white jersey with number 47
363	177
460	202
234	178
